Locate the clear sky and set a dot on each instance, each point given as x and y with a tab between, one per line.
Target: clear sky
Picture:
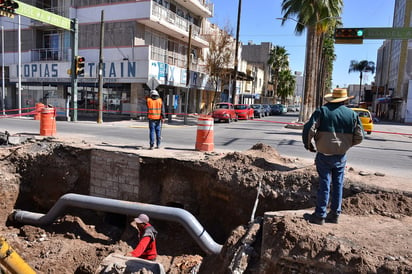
258	24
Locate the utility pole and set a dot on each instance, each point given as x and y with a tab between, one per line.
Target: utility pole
189	49
100	92
236	52
3	81
75	48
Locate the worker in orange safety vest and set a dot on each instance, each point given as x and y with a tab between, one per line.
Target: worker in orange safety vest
155	114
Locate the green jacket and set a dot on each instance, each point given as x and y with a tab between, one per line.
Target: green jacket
334	127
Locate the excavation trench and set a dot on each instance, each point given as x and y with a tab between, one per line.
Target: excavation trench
220	191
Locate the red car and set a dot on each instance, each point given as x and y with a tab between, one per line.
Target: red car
224	112
244	111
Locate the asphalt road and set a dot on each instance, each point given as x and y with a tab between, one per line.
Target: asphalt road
388	149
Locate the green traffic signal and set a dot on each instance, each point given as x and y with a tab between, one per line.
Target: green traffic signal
359	32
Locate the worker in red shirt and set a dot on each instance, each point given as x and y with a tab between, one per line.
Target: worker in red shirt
146	248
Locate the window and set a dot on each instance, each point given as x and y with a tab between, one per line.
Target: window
51	45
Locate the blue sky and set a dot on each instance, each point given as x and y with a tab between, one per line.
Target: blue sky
258	24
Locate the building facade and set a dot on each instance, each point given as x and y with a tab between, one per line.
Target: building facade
144	40
394	71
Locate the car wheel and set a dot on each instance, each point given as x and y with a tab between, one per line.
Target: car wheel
369	132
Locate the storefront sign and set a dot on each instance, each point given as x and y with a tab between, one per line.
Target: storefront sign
49	71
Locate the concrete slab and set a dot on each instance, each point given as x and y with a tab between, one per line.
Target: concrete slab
117	263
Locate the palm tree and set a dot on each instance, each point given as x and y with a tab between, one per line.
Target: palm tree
316	17
278	61
286	85
361	67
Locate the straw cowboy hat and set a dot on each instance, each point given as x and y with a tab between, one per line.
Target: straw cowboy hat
338	95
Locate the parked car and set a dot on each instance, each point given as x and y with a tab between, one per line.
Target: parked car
258	110
224	112
244	111
284	108
276	109
266	108
366	119
291	108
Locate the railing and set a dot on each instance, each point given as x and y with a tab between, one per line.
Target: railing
175	59
171	17
48	54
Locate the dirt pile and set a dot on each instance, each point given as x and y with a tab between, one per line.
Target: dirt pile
374	234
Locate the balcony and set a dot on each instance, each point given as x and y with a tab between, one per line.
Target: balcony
48	54
175	59
166	21
201	7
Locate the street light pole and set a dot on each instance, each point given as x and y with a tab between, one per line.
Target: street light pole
3	83
236	52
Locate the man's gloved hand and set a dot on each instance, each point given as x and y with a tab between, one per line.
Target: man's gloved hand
311	148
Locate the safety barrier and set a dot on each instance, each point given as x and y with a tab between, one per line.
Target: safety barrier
205	136
38	109
48	122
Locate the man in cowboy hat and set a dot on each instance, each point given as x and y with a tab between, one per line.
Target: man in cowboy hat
335	128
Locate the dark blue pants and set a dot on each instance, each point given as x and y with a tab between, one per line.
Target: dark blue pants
155	129
331	169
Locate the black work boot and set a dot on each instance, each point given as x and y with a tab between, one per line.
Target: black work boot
332	217
314	219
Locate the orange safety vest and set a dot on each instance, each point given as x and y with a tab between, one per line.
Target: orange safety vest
154	108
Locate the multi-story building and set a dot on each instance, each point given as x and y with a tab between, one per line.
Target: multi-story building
258	56
143	40
394	70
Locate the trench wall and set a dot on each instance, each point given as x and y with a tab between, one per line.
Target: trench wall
114	175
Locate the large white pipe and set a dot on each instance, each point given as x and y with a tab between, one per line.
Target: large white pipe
185	218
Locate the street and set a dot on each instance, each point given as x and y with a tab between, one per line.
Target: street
383	151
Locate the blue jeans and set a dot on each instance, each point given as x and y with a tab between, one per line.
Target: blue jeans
155	128
330	168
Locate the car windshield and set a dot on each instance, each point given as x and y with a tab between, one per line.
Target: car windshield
255	106
226	106
240	107
363	114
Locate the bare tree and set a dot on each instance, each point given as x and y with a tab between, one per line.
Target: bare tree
219	58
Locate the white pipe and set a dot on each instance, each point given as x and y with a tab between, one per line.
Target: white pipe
186	219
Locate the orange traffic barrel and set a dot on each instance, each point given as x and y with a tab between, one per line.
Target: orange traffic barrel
204	136
37	114
48	122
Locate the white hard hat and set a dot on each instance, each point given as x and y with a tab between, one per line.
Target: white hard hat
154	93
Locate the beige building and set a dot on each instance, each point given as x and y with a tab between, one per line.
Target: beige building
143	40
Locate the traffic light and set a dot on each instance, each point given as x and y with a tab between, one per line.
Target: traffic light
348	36
79	64
7	8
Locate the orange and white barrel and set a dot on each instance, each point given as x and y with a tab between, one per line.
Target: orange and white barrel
204	136
37	114
48	122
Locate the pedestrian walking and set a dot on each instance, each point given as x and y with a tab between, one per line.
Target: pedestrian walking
155	114
335	128
146	248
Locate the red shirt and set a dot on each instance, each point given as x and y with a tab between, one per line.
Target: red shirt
146	248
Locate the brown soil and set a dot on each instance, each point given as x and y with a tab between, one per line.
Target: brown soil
374	234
